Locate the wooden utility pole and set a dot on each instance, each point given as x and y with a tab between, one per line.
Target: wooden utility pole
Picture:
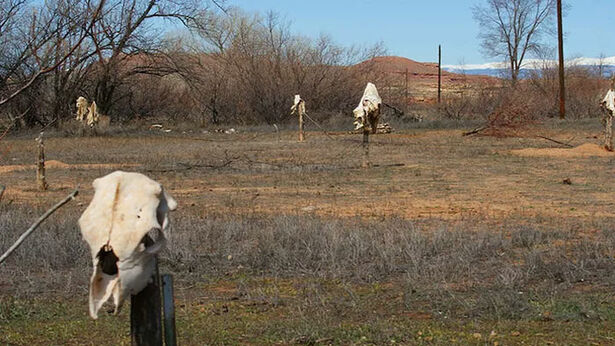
40	164
439	72
560	42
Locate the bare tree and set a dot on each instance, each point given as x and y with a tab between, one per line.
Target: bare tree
126	43
512	29
247	67
35	44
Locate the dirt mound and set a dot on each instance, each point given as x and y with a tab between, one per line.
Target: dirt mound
583	150
56	164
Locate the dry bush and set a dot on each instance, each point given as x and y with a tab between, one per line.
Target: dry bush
584	89
514	112
473	104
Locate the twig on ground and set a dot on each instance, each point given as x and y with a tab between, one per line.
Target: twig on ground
475	131
556	141
34	226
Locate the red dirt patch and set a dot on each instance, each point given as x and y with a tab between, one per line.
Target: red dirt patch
583	150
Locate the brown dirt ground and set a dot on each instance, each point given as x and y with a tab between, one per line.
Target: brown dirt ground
417	174
55	164
583	150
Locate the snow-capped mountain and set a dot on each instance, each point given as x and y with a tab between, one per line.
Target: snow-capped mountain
606	65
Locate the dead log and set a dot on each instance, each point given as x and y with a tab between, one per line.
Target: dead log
382	128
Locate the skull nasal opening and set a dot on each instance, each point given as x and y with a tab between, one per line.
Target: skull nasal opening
107	260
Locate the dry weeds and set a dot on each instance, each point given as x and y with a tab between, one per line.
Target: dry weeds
461	228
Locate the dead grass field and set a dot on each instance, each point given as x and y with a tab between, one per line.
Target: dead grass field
444	240
418	173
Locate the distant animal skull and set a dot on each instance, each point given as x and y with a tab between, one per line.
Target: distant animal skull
82	108
127	210
359	118
609	101
370	101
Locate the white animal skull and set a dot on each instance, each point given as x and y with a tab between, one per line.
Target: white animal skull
609	101
93	116
295	105
82	108
370	101
125	208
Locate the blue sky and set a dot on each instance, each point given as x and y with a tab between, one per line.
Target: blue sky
414	28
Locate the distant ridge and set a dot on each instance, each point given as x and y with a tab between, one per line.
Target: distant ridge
498	69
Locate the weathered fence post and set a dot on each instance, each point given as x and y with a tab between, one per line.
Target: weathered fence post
145	316
366	163
277	131
40	164
608	131
168	305
300	125
299	107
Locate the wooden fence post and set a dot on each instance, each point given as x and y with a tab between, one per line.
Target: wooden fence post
608	131
145	316
277	131
40	164
168	305
366	163
300	125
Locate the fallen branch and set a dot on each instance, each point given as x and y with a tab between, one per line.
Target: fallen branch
6	131
475	131
391	165
23	237
555	141
397	111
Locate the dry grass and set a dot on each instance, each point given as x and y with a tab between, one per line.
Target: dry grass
462	230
